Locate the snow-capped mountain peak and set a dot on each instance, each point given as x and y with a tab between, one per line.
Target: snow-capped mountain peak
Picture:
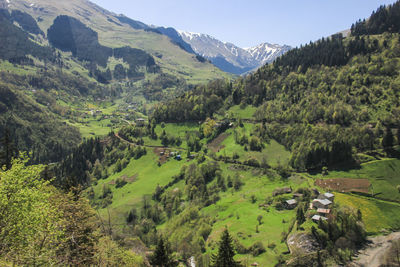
230	57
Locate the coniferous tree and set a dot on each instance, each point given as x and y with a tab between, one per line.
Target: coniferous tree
387	141
226	252
162	255
7	151
398	135
300	216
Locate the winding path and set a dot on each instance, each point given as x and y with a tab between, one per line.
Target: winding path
373	255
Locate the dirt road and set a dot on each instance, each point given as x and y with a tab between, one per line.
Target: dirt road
372	256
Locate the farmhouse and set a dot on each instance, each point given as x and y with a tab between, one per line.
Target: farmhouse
291	204
287	190
328	196
140	121
317	218
324	212
321	203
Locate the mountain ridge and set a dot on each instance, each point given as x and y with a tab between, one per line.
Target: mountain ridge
231	58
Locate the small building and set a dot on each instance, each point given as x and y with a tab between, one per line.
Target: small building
329	196
317	218
324	212
140	121
254	264
162	153
178	157
287	190
321	203
291	203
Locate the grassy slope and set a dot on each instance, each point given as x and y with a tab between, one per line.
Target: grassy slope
377	214
384	176
148	176
235	209
273	151
174	59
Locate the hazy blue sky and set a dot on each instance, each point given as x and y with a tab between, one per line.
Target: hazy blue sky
248	23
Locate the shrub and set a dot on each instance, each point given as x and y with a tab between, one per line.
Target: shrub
120	182
257	249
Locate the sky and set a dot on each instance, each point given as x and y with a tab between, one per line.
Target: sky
247	23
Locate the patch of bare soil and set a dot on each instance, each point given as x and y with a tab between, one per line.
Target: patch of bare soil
162	153
373	254
131	179
215	145
344	184
302	243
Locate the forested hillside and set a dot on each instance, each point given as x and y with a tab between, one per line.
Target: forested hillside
337	94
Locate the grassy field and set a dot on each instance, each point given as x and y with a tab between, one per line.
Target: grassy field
236	211
378	215
147	174
384	176
243	113
273	152
92	128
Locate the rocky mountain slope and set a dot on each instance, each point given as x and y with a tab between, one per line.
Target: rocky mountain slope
229	57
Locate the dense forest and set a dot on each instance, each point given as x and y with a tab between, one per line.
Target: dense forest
385	19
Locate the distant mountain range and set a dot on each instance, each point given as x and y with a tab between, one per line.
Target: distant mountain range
226	56
230	58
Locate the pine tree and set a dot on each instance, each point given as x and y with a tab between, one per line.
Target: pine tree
300	216
398	135
225	255
387	140
8	150
162	255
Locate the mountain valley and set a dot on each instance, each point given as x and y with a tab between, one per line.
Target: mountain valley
125	144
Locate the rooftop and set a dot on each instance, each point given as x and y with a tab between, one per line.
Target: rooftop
326	211
291	201
324	202
318	217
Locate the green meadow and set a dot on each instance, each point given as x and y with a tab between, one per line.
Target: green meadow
384	176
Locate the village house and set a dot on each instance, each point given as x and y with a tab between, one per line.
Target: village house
321	203
291	203
287	190
324	212
328	196
317	218
140	122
